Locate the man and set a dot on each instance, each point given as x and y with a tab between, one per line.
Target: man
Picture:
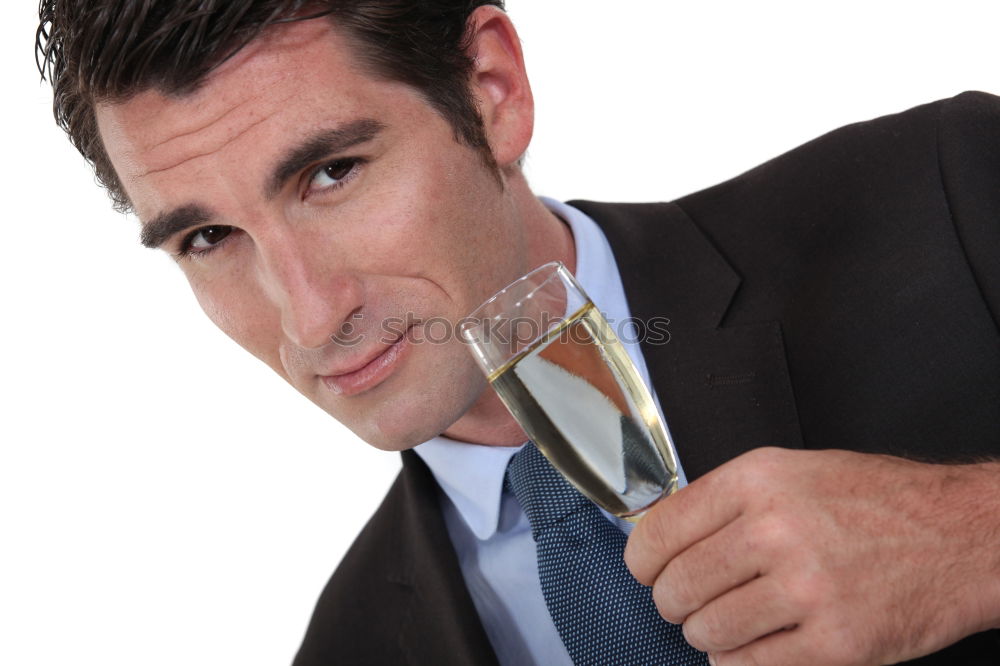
318	169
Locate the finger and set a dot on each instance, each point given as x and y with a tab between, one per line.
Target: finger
791	647
708	569
676	522
778	649
742	616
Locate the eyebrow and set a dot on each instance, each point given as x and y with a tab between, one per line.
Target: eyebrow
156	232
320	145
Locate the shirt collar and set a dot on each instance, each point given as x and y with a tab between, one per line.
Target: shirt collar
472	475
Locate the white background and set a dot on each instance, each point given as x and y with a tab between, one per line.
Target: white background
164	498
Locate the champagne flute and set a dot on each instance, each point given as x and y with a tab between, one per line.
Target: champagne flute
559	368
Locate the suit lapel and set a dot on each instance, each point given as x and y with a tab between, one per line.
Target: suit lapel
667	265
437	622
723	390
398	596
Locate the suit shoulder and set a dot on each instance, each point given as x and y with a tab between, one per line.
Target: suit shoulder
892	149
856	185
973	112
969	162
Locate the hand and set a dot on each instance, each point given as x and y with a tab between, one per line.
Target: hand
825	557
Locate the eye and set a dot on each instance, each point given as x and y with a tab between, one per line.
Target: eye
205	239
333	175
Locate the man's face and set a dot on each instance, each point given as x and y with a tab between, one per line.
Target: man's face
317	213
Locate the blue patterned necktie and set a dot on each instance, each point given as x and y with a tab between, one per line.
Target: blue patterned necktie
602	613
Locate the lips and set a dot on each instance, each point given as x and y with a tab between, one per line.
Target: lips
370	373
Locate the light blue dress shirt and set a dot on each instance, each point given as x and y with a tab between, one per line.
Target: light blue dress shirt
487	526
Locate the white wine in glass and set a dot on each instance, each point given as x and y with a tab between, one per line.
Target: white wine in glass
564	375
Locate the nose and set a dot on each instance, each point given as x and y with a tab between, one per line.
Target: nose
316	298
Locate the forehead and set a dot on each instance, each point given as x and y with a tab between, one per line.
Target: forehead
296	75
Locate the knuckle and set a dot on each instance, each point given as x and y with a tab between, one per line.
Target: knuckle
756	470
641	551
708	631
693	634
666	602
680	585
653	530
806	594
766	456
774	533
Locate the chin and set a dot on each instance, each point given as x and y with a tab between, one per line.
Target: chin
398	425
397	433
396	416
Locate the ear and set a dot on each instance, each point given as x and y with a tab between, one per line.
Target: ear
500	84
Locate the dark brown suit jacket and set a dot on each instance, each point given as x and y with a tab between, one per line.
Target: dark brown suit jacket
843	295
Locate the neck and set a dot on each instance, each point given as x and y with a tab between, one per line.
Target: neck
548	238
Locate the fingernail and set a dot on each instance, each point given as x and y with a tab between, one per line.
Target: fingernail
711	660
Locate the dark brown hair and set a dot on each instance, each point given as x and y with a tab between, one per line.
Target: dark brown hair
110	50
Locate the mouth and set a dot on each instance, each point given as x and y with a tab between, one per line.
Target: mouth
372	373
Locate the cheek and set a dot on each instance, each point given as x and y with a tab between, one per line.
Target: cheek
451	225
